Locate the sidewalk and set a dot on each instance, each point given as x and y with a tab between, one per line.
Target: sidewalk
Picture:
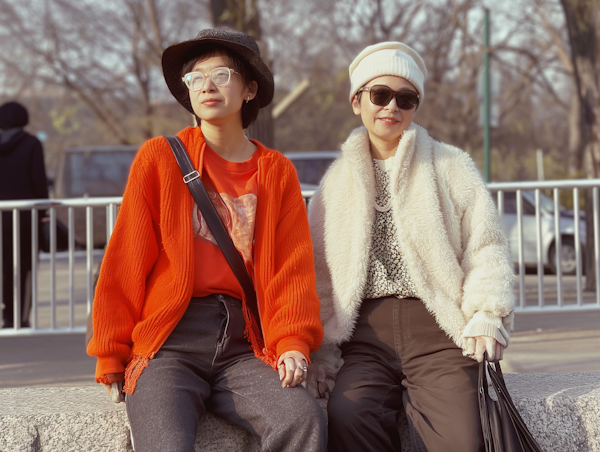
540	343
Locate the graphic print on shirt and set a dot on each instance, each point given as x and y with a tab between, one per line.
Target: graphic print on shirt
238	216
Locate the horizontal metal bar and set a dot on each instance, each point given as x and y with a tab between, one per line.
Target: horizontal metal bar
105	201
68	202
567	183
41	331
555	308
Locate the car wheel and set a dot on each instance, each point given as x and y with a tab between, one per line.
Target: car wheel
568	260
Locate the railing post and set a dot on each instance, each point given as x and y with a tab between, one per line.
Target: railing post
71	268
34	265
52	267
522	300
540	257
596	243
577	243
16	269
89	240
500	196
558	248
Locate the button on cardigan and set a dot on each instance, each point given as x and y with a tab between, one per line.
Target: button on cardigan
146	278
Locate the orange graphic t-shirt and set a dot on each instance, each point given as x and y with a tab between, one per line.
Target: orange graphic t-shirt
233	190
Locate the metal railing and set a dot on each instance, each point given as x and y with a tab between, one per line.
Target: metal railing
535	293
75	306
547	300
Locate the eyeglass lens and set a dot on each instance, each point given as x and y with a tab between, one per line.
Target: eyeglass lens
382	95
220	76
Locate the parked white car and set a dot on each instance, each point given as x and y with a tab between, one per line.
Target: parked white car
548	235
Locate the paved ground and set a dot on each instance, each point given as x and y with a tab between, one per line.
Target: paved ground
541	343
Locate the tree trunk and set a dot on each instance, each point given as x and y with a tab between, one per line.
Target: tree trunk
583	26
575	163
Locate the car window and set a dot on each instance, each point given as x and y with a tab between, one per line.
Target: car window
97	173
510	203
311	171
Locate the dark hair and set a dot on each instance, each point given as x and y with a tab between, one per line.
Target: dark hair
13	114
237	63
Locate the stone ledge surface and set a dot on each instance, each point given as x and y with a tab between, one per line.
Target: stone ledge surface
561	410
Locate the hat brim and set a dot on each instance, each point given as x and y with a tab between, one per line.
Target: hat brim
175	56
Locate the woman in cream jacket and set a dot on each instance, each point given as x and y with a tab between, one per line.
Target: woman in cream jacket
413	272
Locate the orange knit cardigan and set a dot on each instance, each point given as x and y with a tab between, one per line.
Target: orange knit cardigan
146	278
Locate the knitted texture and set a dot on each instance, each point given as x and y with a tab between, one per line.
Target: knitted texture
387	58
146	280
487	324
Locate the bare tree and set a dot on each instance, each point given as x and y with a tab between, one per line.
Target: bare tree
105	53
583	25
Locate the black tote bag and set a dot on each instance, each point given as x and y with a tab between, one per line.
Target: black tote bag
503	427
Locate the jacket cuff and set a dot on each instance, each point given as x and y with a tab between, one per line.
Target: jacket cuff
293	343
108	365
487	324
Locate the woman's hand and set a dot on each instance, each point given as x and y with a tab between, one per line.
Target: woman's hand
292	368
476	346
115	391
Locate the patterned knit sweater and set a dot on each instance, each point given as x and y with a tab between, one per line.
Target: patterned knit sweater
146	278
388	274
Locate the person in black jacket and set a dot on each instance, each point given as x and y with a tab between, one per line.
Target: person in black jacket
22	176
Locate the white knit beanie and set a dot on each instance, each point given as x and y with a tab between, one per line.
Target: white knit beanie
387	58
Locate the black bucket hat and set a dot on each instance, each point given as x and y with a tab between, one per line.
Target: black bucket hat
175	56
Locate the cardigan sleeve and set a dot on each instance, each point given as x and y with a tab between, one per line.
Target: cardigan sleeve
291	318
488	282
129	257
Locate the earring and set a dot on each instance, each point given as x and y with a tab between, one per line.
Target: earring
247	99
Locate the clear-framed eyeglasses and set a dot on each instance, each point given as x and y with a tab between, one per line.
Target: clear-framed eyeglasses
220	77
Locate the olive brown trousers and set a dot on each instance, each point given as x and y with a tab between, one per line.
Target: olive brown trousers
400	359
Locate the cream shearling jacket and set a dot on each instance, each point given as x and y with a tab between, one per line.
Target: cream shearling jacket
448	233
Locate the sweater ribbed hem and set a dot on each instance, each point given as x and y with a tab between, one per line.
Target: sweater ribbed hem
107	365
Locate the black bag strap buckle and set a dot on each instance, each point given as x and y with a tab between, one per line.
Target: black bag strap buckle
191	176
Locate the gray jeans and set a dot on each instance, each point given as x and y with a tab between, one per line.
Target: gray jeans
206	365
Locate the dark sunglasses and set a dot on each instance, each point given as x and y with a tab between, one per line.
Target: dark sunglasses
381	95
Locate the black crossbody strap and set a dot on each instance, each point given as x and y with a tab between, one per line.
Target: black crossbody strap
194	182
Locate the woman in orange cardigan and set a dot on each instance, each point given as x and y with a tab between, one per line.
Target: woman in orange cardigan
171	323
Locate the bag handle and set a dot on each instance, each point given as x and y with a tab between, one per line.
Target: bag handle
192	179
496	378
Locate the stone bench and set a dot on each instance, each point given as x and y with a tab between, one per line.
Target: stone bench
561	410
